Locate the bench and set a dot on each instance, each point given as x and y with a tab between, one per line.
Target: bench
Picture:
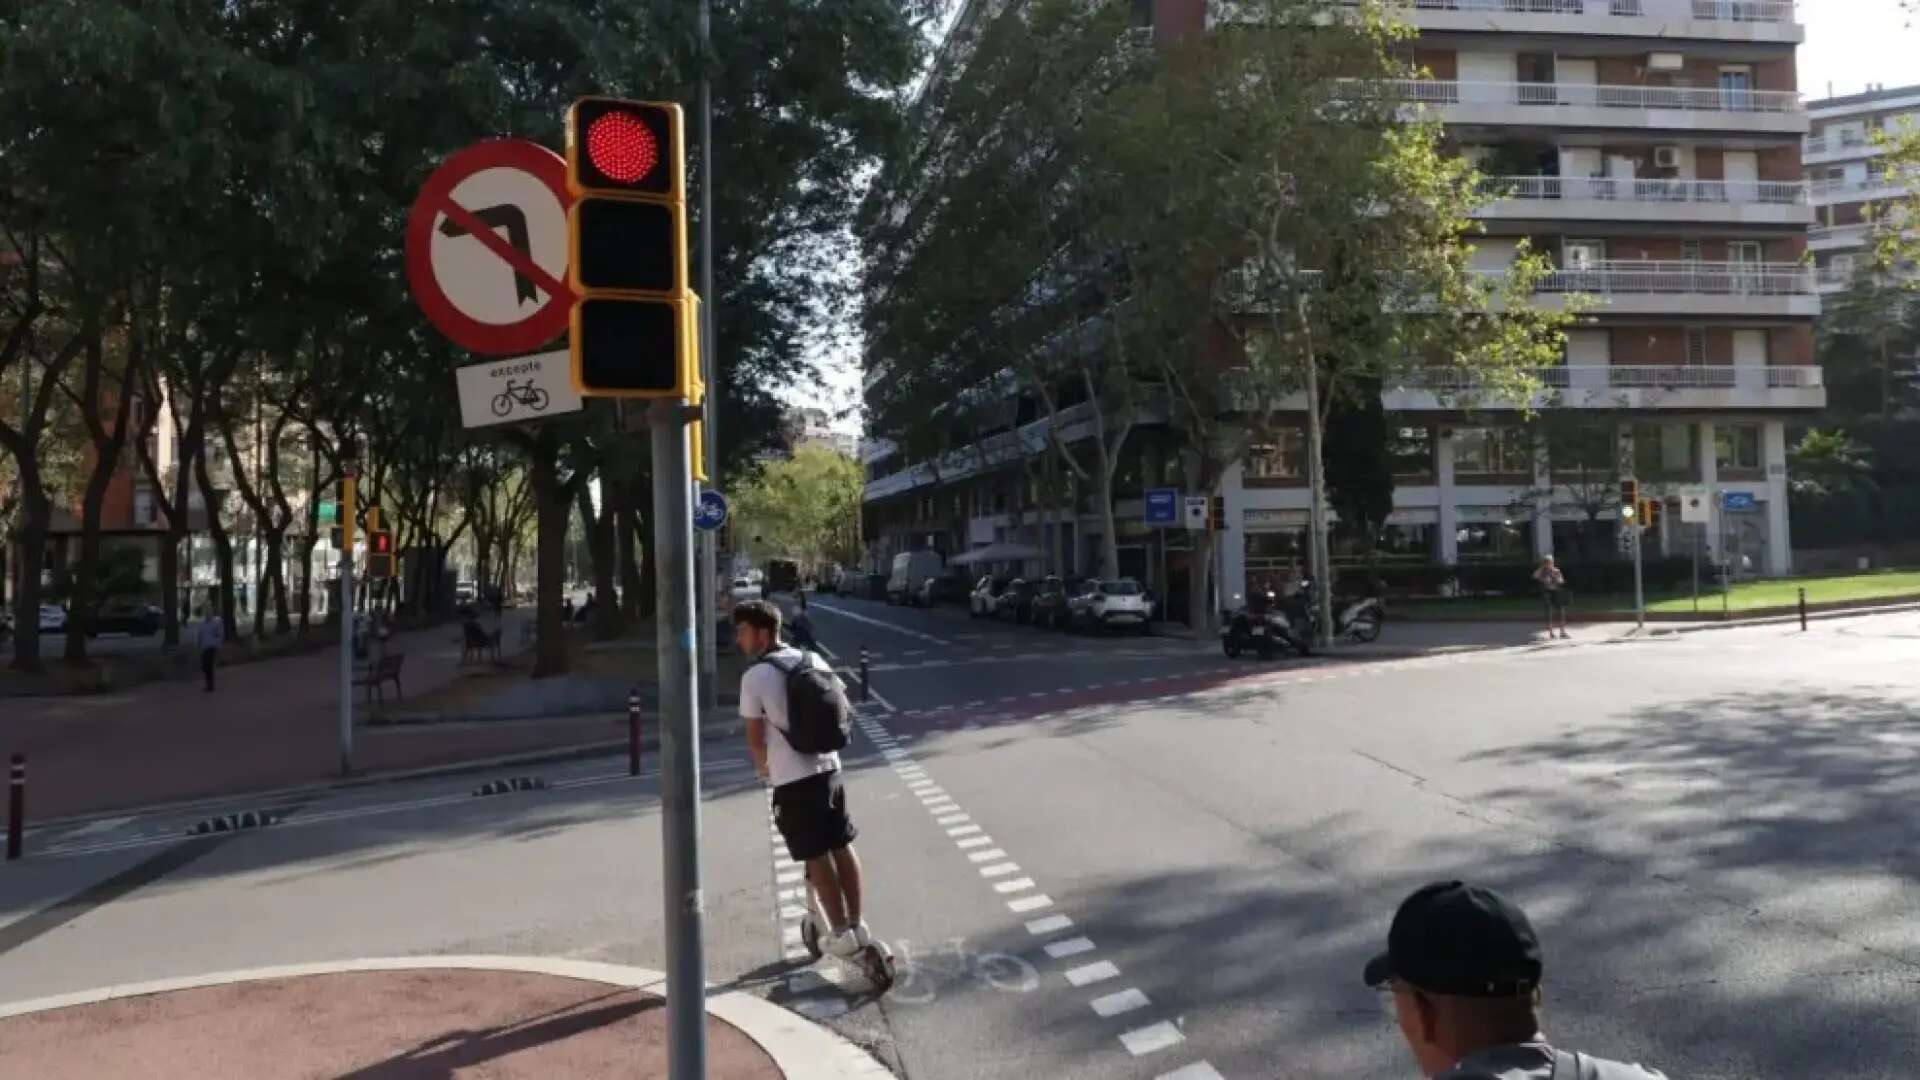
476	643
384	670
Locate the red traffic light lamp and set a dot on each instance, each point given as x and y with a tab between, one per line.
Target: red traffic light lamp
617	147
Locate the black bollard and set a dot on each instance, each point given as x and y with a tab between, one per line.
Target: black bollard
866	681
16	806
633	732
1803	609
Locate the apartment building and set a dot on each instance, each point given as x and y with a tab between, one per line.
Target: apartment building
1845	179
1652	149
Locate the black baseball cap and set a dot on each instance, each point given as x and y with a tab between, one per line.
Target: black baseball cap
1464	940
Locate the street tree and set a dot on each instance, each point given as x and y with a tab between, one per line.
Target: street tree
805	508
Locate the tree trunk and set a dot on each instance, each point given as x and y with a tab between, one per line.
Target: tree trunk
1199	582
1319	555
550	560
626	525
34	514
598	529
222	543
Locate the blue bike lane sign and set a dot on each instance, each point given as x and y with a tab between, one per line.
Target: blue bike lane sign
709	511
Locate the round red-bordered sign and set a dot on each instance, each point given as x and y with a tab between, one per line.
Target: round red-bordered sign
496	294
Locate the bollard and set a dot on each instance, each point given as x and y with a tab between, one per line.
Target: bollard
866	681
633	732
1803	609
16	806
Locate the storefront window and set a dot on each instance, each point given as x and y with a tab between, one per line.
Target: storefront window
1500	451
1736	447
1282	459
1663	451
1495	541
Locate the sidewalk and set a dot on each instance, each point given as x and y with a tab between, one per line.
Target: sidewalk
271	724
428	1017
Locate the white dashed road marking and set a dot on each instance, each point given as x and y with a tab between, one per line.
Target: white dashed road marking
1152	1038
1098	971
1123	1002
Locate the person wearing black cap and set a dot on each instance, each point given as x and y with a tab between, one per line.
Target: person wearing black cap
1463	965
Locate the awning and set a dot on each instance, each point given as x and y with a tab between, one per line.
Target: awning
994	553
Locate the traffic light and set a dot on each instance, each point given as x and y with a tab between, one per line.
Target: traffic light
379	553
1650	513
1217	513
632	334
1629	498
343	496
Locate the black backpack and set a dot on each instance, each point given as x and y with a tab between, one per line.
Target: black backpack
819	716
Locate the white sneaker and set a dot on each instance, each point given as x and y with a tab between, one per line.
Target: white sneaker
863	937
844	944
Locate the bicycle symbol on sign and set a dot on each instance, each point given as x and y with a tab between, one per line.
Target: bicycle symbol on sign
521	393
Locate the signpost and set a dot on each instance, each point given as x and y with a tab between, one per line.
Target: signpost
499	295
1163	506
711	512
1739	502
516	391
1696	509
1196	513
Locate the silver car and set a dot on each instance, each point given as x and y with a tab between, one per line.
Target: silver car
1111	602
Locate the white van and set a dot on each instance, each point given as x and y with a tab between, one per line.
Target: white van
911	569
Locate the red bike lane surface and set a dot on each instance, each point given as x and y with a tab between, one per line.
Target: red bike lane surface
267	725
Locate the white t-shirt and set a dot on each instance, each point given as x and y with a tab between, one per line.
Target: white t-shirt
763	695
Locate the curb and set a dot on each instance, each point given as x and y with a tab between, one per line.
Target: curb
800	1048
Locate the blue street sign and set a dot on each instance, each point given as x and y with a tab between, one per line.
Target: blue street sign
1738	502
710	511
1163	506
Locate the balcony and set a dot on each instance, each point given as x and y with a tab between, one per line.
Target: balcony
1833	278
1601	105
1839	146
1863	189
1837	237
1660	287
1585	198
1631	386
1730	20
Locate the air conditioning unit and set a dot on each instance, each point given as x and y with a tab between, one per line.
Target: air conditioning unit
1666	157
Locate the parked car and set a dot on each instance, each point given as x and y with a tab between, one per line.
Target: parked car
53	619
1049	605
744	589
1016	602
910	570
984	601
124	617
950	586
1111	602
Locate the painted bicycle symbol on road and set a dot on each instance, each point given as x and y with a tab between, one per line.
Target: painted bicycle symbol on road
518	393
918	975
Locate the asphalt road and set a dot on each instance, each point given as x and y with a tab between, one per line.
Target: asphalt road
1165	861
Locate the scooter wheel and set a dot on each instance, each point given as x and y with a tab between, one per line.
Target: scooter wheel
1365	629
876	962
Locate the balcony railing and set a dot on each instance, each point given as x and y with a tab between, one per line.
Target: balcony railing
1638	377
1865	187
1754	11
1628	276
1830	144
1840	234
1594	95
1651	190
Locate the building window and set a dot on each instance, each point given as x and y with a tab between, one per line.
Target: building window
1410	449
1500	451
1663	451
1696	345
1736	447
1690	251
1494	541
1283	459
145	512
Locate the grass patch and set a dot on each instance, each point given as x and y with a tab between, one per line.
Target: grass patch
1746	596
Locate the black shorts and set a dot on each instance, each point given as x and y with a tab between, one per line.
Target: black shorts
811	815
1557	599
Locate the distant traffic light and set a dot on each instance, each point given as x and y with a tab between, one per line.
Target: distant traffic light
627	250
1650	513
1217	513
379	553
1629	498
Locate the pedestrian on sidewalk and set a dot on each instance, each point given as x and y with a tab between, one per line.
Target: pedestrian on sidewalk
1463	965
809	794
211	634
1553	588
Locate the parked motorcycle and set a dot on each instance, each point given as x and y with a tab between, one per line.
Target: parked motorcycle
1354	619
1263	628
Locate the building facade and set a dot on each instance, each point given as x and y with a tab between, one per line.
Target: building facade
1652	149
1845	179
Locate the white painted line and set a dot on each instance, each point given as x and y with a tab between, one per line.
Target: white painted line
1049	925
963	830
1014	886
940	804
1152	1038
987	856
1029	903
976	841
974	704
792	911
1098	971
95	828
1097	686
922	787
790	935
789	878
951	819
895	627
824	1008
1123	1002
1066	947
1038	694
1199	1070
1000	869
790	894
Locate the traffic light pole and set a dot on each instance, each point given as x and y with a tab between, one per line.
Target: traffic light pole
679	742
709	575
346	512
1639	590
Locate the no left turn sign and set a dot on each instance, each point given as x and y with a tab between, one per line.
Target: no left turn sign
487	247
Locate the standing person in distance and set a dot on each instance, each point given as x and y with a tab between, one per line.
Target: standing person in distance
1463	965
798	719
209	636
1553	587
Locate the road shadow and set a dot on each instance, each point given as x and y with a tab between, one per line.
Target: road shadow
455	1052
